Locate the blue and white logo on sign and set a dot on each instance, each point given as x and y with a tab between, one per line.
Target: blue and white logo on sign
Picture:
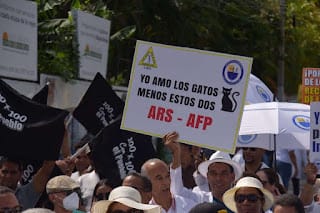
264	95
246	139
232	72
302	121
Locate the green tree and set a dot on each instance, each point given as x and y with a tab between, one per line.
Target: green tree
242	27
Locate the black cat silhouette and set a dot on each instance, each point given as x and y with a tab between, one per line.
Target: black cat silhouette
227	104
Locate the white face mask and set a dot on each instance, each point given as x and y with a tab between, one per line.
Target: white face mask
71	202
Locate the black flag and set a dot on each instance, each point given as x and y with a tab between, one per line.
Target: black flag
99	106
32	166
116	152
29	130
42	96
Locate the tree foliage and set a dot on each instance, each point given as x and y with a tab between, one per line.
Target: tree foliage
242	27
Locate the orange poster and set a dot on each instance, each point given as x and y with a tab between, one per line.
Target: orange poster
310	85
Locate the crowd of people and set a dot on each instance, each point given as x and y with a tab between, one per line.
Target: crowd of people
191	182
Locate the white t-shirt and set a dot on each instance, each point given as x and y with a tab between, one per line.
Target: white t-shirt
87	184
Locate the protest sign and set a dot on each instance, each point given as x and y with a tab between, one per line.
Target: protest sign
18	46
28	130
93	43
310	85
198	93
314	153
116	152
99	106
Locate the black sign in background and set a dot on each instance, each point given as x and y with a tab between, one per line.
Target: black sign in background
99	100
42	96
115	146
42	131
31	167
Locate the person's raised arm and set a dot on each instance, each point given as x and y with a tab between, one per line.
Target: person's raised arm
42	176
170	141
308	191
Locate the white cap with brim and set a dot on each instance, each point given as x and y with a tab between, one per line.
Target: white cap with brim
228	196
220	157
127	196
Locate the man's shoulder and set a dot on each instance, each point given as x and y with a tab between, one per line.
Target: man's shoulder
89	177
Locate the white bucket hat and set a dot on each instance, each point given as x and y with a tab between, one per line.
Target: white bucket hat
220	157
127	196
228	196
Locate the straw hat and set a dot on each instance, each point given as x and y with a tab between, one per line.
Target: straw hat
127	196
228	196
61	183
220	157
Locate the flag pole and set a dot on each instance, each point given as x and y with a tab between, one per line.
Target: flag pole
86	147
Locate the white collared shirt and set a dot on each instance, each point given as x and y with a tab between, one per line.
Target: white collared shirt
179	205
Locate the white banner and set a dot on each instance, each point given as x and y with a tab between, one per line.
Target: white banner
18	46
198	93
315	134
93	44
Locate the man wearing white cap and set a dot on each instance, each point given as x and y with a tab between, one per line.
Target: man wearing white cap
220	171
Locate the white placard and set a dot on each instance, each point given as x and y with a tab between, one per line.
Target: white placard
18	46
315	134
199	94
93	43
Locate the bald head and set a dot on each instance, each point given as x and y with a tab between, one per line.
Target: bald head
158	173
151	164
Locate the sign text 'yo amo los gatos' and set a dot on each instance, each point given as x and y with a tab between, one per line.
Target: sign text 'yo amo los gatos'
199	94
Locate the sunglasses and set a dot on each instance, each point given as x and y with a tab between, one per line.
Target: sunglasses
16	209
102	196
249	148
250	197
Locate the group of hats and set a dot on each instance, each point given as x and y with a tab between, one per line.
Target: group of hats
122	194
132	198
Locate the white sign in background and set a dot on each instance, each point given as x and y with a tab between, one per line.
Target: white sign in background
315	134
199	94
18	46
93	43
